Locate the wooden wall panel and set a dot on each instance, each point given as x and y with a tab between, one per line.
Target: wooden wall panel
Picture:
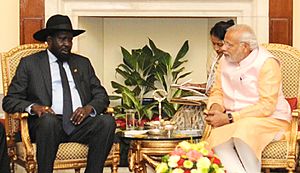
280	31
32	17
31	25
281	21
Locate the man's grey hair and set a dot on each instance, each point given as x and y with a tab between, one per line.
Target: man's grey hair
247	35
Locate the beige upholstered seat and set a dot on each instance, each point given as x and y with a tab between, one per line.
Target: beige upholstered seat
69	156
284	153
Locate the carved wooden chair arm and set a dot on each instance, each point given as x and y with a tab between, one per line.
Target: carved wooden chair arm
293	137
206	132
294	127
23	117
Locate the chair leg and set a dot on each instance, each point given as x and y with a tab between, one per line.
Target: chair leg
114	168
12	167
30	167
115	164
77	170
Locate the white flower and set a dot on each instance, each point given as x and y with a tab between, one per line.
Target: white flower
172	162
188	164
186	146
220	170
217	168
178	170
203	163
195	171
162	168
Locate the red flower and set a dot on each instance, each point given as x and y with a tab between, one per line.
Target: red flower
216	161
155	118
143	121
180	162
121	123
187	171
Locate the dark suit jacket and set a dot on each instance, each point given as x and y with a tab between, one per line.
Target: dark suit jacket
32	84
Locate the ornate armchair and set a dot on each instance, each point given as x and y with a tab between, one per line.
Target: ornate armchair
69	156
284	153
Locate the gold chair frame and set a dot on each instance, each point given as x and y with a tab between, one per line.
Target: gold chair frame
23	153
284	153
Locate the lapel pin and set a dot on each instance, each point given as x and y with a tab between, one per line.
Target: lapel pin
75	70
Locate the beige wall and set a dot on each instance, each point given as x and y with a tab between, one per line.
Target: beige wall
105	36
9	30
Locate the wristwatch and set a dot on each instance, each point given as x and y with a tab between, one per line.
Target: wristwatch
230	118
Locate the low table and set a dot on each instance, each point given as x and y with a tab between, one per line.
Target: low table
149	149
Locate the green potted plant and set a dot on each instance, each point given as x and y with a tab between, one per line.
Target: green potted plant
145	70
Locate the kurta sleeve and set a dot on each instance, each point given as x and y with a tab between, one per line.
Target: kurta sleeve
216	93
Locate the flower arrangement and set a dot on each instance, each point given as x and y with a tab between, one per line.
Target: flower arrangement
191	158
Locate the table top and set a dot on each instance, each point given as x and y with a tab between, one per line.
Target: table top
176	135
185	101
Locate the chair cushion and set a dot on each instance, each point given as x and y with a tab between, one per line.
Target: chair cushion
275	150
292	102
65	151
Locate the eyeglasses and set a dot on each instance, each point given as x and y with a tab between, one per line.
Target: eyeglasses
227	44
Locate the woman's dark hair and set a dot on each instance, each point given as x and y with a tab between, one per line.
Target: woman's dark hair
220	28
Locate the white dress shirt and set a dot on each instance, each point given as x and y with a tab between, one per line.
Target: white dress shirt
57	90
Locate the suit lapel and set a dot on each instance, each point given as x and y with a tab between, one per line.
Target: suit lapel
46	74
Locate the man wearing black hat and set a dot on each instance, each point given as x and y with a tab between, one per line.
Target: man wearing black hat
64	98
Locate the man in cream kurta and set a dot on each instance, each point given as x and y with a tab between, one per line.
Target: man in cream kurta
246	102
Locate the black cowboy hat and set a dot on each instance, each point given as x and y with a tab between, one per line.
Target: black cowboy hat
54	24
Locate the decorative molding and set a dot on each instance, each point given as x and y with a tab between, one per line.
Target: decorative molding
251	12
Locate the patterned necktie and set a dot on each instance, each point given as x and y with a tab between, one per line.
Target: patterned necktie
67	100
212	75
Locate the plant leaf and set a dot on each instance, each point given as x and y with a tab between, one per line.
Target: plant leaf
182	52
129	60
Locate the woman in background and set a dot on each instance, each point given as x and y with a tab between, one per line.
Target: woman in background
217	34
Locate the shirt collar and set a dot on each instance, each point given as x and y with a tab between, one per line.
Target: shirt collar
52	57
250	58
